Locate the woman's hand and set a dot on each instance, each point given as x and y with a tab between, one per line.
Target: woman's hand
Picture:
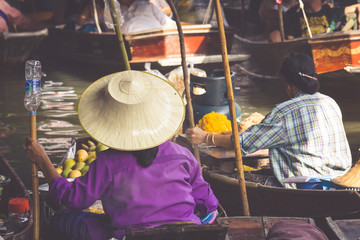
35	151
195	135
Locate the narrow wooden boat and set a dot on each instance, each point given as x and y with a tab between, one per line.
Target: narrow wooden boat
16	48
230	224
267	200
15	188
332	52
276	201
160	46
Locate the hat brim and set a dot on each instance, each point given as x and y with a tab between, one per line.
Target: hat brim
131	127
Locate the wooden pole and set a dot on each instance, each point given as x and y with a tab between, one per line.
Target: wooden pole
186	75
35	182
209	12
281	22
235	132
119	34
301	4
96	17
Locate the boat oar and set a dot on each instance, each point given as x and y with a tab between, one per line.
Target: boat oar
230	93
116	22
32	101
186	75
301	4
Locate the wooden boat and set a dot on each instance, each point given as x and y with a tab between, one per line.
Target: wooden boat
16	48
15	188
230	225
240	227
266	200
343	229
160	47
275	201
332	52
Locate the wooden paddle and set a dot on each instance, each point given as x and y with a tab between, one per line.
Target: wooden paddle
235	132
186	75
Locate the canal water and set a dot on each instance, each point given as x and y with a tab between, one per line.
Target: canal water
57	120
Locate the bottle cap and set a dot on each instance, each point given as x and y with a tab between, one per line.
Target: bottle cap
18	205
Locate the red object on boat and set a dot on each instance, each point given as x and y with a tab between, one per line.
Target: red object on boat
18	205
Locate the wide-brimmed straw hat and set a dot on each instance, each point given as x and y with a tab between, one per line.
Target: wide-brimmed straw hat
131	110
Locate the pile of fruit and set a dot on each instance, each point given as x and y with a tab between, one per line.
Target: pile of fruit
79	166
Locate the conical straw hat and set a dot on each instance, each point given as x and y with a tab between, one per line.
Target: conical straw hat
131	110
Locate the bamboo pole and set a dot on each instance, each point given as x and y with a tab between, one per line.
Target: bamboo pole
281	22
186	75
119	34
235	132
35	183
301	4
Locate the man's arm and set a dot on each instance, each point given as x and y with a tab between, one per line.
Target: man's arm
353	9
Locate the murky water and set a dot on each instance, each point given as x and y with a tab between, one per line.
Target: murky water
57	121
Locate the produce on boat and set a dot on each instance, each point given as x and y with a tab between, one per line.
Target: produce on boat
78	164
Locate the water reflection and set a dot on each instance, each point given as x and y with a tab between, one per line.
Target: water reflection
58	106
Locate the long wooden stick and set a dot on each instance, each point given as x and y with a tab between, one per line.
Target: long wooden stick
35	183
281	22
186	75
235	132
301	4
119	34
96	17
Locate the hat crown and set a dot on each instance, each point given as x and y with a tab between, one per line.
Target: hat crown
128	88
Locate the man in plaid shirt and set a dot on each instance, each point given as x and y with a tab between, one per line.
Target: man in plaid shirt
305	135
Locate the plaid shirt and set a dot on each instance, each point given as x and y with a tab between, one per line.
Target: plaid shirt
305	137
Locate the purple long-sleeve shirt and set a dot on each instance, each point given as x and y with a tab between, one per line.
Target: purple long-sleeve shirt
165	192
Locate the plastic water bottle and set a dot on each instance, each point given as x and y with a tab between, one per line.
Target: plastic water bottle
32	97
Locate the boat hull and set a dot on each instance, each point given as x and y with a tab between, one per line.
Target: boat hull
335	51
274	201
146	46
16	48
331	52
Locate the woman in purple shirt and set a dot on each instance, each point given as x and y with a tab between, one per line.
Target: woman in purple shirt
143	180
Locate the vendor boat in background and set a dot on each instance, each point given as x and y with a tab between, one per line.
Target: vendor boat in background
332	52
17	47
159	46
13	189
